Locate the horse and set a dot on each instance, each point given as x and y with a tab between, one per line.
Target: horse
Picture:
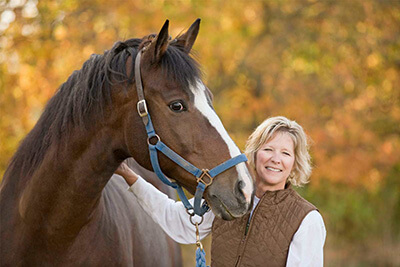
60	202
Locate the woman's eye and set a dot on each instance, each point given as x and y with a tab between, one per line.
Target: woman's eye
177	106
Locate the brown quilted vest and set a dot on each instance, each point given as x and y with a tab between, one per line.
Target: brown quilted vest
275	220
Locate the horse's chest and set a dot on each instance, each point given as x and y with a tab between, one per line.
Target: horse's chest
124	239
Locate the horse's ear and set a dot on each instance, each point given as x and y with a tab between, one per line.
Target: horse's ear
188	38
158	46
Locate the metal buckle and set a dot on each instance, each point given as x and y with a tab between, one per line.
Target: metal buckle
142	108
203	174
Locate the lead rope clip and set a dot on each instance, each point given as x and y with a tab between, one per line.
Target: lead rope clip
200	253
198	242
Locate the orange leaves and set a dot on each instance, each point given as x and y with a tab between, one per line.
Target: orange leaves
331	67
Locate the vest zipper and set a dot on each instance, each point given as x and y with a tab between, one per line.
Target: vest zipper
237	261
247	230
247	227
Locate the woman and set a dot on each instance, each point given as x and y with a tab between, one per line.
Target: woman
282	228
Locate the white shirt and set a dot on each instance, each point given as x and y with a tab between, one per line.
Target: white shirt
306	248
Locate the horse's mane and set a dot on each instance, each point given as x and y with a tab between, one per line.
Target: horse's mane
87	92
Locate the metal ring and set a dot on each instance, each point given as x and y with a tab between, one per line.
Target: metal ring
156	136
190	213
194	223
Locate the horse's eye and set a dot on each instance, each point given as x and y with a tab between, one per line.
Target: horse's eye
177	106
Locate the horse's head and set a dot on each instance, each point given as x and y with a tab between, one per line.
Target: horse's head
181	110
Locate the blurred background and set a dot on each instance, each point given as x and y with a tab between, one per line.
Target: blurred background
333	66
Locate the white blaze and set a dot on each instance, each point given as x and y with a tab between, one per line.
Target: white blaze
201	103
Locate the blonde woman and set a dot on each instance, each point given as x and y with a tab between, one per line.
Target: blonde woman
282	229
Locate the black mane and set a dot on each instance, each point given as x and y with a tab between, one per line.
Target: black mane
80	101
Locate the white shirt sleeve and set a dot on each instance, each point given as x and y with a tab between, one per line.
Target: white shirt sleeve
306	248
171	215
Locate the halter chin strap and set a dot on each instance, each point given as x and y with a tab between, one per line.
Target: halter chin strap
204	177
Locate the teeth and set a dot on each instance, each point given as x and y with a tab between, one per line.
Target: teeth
273	169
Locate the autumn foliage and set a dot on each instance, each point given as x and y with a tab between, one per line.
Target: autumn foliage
333	66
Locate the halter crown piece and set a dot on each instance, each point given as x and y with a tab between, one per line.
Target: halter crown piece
204	177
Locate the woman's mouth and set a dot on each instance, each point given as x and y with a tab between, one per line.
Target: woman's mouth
273	169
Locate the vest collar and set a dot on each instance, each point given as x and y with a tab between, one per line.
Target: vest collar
277	196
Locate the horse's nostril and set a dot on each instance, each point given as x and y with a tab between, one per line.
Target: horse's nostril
239	188
240	184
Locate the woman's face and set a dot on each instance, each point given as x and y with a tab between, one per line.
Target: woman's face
274	162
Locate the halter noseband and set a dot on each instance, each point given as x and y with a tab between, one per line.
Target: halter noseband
204	177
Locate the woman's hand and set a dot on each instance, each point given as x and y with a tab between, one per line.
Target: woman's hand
127	173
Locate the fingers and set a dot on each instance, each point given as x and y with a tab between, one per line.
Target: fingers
127	173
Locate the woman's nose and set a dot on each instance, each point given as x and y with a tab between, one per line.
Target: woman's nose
275	159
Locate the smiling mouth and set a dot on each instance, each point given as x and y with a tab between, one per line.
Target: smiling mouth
273	169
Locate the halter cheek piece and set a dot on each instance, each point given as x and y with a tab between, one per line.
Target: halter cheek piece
204	177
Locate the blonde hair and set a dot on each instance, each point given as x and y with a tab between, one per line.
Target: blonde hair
265	131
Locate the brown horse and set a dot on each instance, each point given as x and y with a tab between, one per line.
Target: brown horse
59	204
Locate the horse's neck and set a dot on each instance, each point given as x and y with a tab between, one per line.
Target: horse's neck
64	191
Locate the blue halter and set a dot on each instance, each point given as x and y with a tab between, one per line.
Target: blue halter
204	177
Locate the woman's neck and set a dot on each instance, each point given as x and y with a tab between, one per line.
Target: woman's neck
261	188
